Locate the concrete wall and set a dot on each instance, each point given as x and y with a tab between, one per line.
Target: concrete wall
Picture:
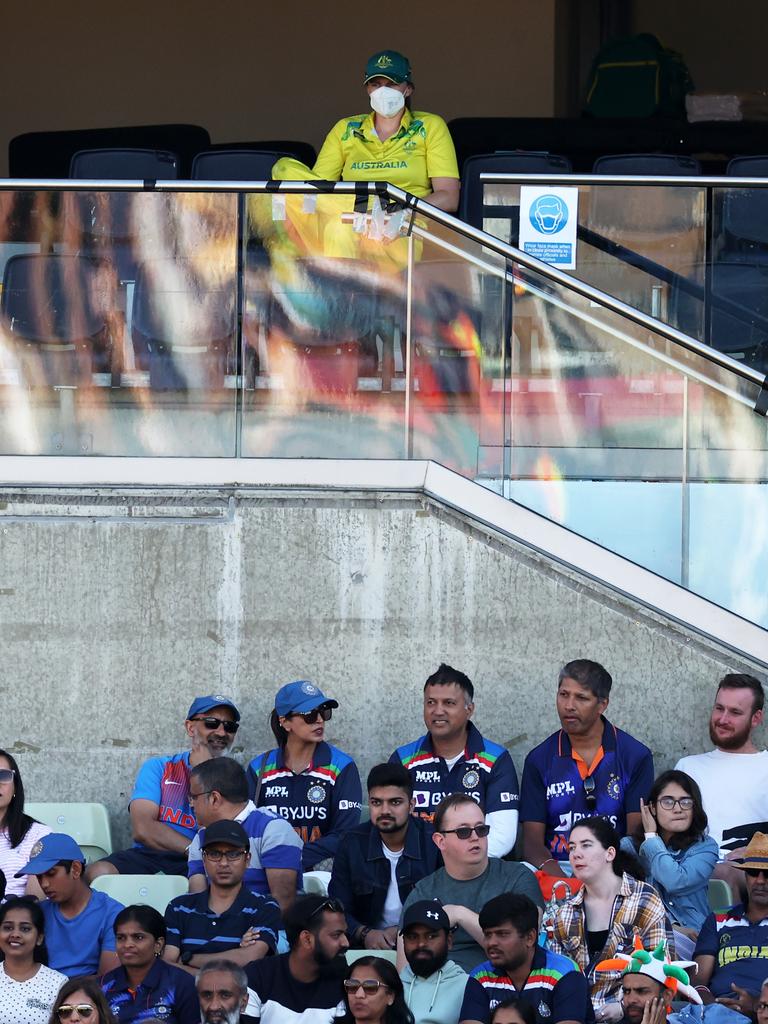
250	70
117	609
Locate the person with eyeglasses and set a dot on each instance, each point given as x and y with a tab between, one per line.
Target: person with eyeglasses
732	947
28	987
81	1001
677	854
304	984
603	918
144	987
373	993
454	757
469	877
587	767
79	921
219	792
228	917
162	819
309	782
18	832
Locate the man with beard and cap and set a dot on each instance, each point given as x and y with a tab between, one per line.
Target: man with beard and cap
162	820
732	948
307	982
437	990
381	860
222	989
650	982
733	778
518	966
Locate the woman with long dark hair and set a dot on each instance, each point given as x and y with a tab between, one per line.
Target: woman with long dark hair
374	993
28	987
139	942
18	832
676	852
316	785
81	1001
602	919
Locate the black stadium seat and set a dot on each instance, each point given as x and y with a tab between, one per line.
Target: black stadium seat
473	208
118	163
664	164
235	164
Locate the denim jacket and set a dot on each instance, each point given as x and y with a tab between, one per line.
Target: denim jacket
361	872
681	877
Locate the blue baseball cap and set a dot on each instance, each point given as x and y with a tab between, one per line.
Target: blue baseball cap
200	705
301	696
388	64
48	851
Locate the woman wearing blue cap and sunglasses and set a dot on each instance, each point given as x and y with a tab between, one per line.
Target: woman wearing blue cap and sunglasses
312	784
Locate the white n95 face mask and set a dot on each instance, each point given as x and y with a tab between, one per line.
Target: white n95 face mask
386	101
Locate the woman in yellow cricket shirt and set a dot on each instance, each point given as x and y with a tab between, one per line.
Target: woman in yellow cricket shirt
412	150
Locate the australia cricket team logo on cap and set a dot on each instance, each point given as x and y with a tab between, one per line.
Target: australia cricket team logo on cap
384	62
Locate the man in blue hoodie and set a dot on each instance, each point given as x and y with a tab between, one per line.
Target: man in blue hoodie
437	990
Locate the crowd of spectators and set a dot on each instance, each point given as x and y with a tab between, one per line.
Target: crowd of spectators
429	916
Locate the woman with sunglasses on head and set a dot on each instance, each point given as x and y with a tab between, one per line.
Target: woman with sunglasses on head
677	854
374	993
81	1001
313	785
144	981
18	832
604	916
28	987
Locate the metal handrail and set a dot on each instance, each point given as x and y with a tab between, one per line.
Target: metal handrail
421	206
706	181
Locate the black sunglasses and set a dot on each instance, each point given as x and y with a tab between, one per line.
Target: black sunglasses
589	793
210	722
310	717
334	906
465	831
756	872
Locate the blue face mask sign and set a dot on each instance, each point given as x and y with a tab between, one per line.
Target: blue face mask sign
548	221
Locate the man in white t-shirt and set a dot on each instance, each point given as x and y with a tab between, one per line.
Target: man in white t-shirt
733	777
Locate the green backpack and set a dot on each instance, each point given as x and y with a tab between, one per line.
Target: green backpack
637	77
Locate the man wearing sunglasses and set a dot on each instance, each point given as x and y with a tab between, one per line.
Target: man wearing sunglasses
454	757
587	767
307	982
732	948
162	820
218	791
470	877
226	918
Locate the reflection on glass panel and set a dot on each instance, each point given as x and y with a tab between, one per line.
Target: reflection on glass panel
613	433
118	329
458	331
740	274
324	314
644	244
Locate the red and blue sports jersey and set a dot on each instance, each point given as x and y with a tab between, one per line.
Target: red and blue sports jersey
485	772
321	803
555	988
553	789
167	993
165	781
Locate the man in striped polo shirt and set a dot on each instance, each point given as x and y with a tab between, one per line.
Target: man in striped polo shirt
453	757
218	791
517	966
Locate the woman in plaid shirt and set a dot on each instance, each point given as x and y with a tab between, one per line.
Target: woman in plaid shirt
603	918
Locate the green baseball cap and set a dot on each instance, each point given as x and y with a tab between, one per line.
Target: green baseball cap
388	64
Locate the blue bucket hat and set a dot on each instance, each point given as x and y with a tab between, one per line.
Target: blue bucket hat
48	851
200	705
301	696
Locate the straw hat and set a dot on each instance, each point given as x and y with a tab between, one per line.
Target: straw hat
756	853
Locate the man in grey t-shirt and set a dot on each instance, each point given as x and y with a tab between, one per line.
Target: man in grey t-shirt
470	878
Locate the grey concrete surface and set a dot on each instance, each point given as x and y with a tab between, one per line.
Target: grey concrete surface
116	609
